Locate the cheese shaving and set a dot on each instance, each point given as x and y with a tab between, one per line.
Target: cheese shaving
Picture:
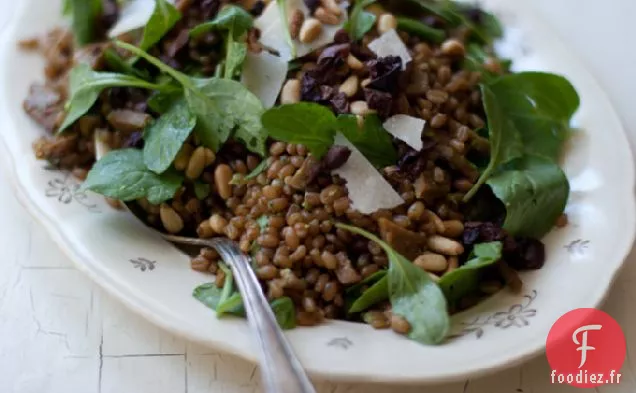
390	44
264	75
368	190
406	128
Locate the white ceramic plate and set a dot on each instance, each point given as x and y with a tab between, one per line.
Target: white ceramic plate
155	280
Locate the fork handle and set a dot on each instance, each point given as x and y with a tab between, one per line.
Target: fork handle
281	370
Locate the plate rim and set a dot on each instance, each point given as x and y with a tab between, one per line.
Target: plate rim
165	321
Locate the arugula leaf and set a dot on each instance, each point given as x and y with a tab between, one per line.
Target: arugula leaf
505	140
122	175
360	21
86	85
237	105
118	64
373	141
263	223
84	14
210	295
540	105
231	18
201	190
235	56
161	102
166	135
310	124
528	113
163	18
420	29
282	7
220	105
413	294
534	191
376	293
260	168
372	279
455	14
237	22
465	280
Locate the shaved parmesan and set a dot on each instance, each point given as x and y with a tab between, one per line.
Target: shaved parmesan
390	44
264	75
368	190
406	128
273	25
134	15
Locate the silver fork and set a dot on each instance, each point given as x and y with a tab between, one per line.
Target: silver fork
280	368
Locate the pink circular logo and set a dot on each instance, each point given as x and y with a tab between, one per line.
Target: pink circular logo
586	348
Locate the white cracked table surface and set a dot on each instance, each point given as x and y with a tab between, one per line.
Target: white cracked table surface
60	333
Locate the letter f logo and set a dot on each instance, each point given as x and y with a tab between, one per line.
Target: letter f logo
583	344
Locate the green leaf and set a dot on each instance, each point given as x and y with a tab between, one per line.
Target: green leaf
86	85
84	14
222	106
201	190
534	191
310	124
413	294
234	58
505	139
163	18
263	223
122	175
282	7
164	137
161	102
528	113
456	14
260	168
117	64
372	279
420	29
232	18
210	295
373	141
360	21
540	105
376	293
465	280
285	312
239	110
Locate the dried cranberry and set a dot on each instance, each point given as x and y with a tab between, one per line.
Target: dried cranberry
384	72
334	55
378	100
336	157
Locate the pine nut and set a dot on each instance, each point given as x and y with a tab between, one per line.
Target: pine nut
453	47
183	157
365	82
222	177
218	223
354	63
431	262
350	86
291	92
386	22
170	219
453	263
453	228
196	165
326	16
332	6
209	157
360	108
296	20
444	245
310	30
400	325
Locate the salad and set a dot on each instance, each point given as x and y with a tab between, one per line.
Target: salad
377	159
